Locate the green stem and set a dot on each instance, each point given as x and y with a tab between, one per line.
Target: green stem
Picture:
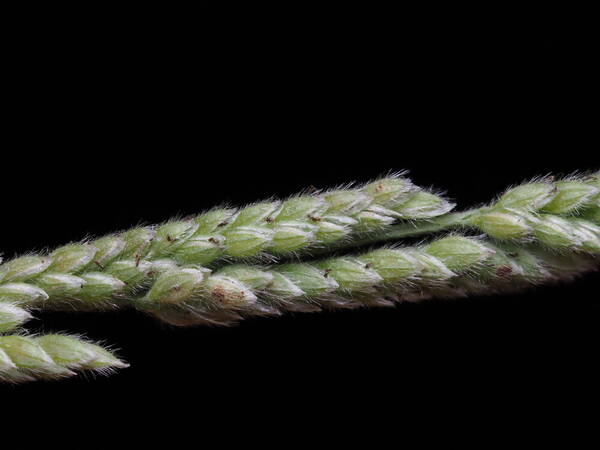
410	229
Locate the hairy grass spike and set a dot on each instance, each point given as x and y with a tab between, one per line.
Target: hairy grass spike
27	358
237	287
559	233
531	212
248	290
544	211
564	197
513	268
447	267
108	270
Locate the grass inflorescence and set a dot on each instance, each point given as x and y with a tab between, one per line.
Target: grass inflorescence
229	264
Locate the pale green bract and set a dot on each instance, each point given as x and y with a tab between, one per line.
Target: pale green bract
11	317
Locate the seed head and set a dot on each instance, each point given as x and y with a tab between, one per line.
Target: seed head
503	225
227	292
214	221
555	232
571	196
251	277
290	236
299	208
347	202
107	249
387	191
176	286
71	258
391	265
200	249
21	269
530	196
423	205
100	286
459	253
21	293
245	241
312	281
351	273
11	316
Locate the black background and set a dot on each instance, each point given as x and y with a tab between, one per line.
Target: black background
109	132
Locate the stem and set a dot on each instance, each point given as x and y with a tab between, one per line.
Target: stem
404	230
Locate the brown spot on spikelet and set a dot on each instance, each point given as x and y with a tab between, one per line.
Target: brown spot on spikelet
227	296
504	271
